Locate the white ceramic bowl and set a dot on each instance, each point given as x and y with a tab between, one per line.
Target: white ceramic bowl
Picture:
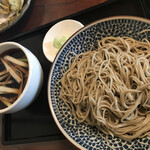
63	28
34	81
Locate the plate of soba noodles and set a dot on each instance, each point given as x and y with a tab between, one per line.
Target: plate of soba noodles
99	85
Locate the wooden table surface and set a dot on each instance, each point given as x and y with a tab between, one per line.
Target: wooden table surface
39	13
42	12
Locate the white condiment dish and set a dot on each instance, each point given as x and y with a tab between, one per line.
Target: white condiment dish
63	28
34	80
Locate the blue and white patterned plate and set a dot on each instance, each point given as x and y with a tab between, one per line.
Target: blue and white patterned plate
82	135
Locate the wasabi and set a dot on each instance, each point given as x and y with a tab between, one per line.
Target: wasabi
58	42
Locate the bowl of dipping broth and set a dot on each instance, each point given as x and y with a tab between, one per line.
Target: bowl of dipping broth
21	77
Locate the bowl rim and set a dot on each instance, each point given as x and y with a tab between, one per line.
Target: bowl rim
57	56
22	48
10	23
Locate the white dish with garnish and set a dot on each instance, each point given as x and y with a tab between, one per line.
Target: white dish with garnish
57	36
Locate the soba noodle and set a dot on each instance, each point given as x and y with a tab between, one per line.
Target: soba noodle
110	87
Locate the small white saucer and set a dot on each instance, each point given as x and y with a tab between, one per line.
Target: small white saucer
63	28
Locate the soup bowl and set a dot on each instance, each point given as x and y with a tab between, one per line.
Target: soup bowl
34	79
